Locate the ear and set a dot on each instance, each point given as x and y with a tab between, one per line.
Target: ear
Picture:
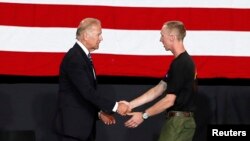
85	36
172	37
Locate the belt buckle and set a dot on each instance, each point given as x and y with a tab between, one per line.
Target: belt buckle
179	113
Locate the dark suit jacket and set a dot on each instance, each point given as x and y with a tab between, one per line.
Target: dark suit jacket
78	101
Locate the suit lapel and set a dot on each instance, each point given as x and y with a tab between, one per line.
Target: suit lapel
86	59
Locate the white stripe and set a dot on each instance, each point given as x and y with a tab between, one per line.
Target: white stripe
145	3
131	42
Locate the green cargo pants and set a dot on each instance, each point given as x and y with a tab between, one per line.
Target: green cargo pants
178	128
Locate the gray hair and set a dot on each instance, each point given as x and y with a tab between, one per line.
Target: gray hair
86	24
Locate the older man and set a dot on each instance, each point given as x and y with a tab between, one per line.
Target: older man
78	100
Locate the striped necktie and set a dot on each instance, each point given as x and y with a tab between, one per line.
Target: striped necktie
90	59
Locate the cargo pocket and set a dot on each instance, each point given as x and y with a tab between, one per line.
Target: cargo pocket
190	124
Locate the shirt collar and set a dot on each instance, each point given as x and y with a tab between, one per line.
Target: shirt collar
83	47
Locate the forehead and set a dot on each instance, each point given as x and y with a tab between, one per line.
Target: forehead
163	29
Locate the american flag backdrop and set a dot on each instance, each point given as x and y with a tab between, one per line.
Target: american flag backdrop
35	34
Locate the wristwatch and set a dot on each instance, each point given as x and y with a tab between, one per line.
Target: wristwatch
145	115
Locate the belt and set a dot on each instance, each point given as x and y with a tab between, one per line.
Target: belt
179	114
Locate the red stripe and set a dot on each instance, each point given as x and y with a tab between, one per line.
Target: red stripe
42	15
47	64
30	64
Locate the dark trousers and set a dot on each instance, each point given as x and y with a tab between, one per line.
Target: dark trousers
67	138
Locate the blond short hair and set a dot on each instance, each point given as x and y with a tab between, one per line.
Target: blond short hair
177	27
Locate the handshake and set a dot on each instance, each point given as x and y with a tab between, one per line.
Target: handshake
124	108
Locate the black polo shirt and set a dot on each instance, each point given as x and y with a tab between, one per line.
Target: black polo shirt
181	81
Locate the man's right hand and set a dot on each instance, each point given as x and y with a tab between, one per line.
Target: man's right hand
123	108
